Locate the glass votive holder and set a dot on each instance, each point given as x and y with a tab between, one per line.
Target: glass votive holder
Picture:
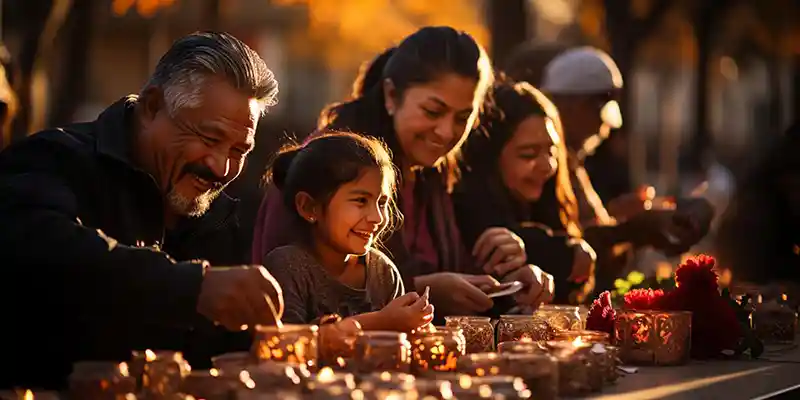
382	351
478	332
481	364
561	317
163	373
99	380
573	367
583	336
774	323
648	337
208	384
538	371
504	386
271	375
233	363
296	344
434	389
336	343
437	350
328	377
521	347
388	385
517	327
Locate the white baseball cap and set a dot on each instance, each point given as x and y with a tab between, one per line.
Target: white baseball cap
585	70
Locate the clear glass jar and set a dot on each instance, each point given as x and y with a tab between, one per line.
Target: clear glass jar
518	327
163	373
481	364
437	350
296	344
272	375
585	336
382	351
478	332
100	381
538	371
521	347
209	385
561	317
775	323
233	363
388	385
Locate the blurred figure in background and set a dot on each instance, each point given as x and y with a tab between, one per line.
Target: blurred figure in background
8	99
584	83
759	236
515	157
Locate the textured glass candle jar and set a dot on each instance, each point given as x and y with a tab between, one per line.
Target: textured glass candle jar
503	386
775	323
100	381
561	317
585	336
517	327
538	371
647	337
481	364
478	332
296	344
382	351
573	367
437	350
520	347
208	385
163	374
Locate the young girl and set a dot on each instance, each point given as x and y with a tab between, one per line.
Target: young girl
338	189
422	98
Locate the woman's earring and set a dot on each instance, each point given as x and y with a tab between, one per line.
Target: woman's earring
311	219
390	111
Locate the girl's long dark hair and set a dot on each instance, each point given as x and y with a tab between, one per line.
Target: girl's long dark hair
420	58
512	103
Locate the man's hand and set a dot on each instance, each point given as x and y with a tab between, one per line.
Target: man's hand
539	286
499	251
584	261
237	297
458	294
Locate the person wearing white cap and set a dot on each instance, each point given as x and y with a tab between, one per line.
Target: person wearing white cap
585	84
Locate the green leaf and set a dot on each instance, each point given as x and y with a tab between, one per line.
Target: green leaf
636	277
622	284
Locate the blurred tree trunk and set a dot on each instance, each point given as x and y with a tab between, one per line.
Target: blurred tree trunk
70	89
508	27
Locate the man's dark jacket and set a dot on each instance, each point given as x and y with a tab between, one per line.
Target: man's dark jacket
83	276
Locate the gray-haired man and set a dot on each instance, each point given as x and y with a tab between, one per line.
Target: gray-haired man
95	215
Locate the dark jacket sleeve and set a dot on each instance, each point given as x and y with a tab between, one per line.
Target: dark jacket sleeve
46	245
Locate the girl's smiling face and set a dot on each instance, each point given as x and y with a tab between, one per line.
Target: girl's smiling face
355	214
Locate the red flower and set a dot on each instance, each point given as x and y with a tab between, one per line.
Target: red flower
602	315
643	299
697	272
714	324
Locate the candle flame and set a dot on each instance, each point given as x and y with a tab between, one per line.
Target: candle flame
783	297
578	342
28	395
149	355
213	372
325	375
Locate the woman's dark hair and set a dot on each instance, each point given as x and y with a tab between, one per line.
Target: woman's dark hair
512	103
323	164
420	58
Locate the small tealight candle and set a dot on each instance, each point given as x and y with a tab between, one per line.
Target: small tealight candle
585	336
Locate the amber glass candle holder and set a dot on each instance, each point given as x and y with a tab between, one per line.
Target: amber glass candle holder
538	371
482	364
272	375
647	337
328	377
208	384
437	350
585	336
233	363
382	351
163	373
573	367
503	386
100	380
518	327
775	323
478	332
561	317
521	347
296	344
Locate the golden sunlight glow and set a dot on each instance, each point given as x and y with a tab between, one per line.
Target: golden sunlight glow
345	30
145	8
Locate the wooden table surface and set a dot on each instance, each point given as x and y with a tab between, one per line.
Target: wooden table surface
777	371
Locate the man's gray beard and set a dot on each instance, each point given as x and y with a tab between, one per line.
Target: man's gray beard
195	207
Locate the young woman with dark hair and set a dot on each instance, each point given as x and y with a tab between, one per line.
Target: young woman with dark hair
515	176
422	98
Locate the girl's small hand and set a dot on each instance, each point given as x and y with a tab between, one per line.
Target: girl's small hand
408	312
